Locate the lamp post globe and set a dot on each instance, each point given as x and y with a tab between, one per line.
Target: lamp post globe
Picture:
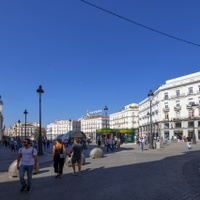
40	91
150	97
25	113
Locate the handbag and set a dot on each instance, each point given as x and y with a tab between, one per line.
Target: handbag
61	155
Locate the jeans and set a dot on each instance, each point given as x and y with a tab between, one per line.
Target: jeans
141	146
108	147
29	170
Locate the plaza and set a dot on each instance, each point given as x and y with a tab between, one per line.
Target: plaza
168	173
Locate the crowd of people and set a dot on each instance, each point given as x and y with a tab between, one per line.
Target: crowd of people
15	144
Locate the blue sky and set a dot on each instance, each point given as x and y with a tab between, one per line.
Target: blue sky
85	58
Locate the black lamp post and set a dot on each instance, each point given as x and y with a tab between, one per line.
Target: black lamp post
193	136
25	113
40	149
106	110
19	123
70	125
150	97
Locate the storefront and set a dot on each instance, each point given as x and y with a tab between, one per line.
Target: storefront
125	135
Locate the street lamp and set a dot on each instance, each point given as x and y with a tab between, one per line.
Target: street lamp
70	124
106	110
193	105
150	97
19	123
25	113
40	150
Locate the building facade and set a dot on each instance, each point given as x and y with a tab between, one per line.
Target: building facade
90	124
21	131
127	118
174	109
61	127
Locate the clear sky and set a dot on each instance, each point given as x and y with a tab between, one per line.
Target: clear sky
86	58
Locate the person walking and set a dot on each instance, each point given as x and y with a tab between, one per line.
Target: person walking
58	157
76	149
27	156
109	144
189	142
141	142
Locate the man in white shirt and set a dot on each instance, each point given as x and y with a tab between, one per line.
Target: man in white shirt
27	155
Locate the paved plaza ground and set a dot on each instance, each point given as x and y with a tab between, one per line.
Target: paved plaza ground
169	173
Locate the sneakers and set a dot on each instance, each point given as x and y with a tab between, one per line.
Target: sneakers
74	174
23	188
28	190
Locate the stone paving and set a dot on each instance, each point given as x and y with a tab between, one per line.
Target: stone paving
169	173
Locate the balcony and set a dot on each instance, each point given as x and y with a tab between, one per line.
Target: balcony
165	109
176	108
166	98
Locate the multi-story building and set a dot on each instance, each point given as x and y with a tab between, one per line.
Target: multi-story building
127	118
61	127
90	124
28	130
174	109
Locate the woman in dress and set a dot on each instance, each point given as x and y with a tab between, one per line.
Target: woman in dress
58	157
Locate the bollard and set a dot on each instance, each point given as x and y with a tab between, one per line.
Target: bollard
96	153
14	172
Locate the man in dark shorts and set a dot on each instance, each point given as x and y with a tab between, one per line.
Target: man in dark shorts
76	157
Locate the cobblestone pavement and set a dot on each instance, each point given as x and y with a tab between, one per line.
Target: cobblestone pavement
170	173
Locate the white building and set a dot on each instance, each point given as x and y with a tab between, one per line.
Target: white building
61	127
90	124
175	108
127	118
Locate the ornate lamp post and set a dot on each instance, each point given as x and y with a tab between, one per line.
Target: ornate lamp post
150	97
25	113
40	91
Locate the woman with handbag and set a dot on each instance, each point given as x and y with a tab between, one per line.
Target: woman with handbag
59	158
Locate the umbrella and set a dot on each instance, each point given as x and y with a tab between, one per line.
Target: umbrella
78	134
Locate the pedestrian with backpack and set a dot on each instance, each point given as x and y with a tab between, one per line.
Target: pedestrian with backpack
26	162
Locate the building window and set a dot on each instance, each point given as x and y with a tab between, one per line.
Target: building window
177	93
190	124
177	114
191	101
166	116
166	125
178	125
166	106
191	113
190	90
166	96
177	103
